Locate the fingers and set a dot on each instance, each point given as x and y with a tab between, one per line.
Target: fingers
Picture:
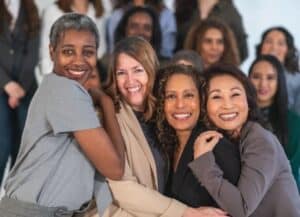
13	89
206	142
13	102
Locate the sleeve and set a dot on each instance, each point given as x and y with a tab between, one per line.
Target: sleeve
169	30
30	59
70	108
257	174
139	200
4	79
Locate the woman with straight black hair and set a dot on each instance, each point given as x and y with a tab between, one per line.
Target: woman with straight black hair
267	75
279	42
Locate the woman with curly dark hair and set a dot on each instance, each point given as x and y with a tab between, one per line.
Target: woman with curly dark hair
279	42
19	41
179	120
214	42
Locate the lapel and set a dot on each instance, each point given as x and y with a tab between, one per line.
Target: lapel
186	157
129	119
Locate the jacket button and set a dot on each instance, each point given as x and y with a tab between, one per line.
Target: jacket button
11	51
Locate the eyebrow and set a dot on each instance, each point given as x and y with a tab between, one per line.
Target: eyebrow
219	90
72	45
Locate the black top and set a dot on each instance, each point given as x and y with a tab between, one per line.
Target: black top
160	159
183	185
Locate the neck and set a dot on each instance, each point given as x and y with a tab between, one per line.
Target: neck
263	104
205	6
183	137
80	6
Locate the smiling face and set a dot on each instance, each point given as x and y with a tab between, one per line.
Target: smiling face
275	44
74	56
211	48
264	78
182	103
132	80
227	105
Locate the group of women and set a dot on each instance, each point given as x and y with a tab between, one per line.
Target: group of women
196	144
211	150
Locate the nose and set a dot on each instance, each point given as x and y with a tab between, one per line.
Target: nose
227	103
179	102
79	59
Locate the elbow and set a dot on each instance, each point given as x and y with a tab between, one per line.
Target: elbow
117	173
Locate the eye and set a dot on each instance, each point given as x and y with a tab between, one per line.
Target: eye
189	95
255	76
170	96
215	97
271	77
68	52
235	94
139	70
88	53
120	72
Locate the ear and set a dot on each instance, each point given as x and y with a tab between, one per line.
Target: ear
51	50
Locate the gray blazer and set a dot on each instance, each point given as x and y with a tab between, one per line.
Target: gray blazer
18	54
266	186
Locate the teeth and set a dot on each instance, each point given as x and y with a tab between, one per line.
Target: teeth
228	116
133	89
182	115
76	72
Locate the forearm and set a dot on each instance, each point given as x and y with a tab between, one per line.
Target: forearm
110	122
144	200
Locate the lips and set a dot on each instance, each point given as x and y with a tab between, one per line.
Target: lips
134	89
262	92
228	116
182	116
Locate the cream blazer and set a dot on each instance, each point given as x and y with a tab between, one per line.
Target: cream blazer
137	193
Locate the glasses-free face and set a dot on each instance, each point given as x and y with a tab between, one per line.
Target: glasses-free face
182	103
132	81
275	44
264	78
140	24
227	105
74	56
211	48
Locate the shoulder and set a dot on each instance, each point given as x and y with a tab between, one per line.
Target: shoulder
254	136
61	86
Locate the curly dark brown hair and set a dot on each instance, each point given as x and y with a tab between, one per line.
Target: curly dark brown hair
196	34
166	134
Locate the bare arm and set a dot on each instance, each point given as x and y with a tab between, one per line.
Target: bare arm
99	149
109	120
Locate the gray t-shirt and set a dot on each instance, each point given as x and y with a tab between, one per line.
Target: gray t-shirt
51	169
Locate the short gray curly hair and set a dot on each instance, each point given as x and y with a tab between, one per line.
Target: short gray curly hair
72	21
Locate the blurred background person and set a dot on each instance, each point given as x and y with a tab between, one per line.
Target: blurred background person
92	8
188	57
213	41
188	12
166	20
279	42
19	41
267	75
